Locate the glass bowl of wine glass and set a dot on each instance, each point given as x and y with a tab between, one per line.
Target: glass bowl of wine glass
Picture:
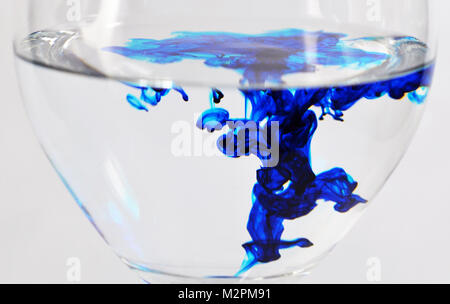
224	141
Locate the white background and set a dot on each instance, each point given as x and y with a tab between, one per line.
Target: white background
407	227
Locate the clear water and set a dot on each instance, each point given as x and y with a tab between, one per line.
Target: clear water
284	151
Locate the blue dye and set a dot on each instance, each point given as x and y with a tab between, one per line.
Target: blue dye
217	96
291	189
136	103
259	58
213	119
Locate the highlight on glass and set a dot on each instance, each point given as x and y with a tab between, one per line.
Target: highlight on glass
224	141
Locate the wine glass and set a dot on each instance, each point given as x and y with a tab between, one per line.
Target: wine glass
224	141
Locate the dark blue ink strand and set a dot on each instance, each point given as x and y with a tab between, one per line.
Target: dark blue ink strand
290	189
217	96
